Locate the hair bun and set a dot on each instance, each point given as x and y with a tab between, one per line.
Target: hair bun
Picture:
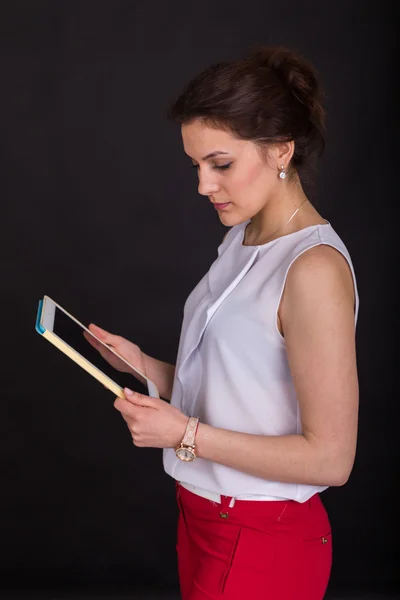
296	73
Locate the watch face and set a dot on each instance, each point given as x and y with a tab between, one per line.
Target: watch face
185	454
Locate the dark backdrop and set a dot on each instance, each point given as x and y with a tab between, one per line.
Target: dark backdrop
101	212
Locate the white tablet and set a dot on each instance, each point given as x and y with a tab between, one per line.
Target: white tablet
66	333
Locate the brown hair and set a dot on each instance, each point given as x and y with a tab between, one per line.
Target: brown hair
271	95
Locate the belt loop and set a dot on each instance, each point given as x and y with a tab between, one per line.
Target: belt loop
232	502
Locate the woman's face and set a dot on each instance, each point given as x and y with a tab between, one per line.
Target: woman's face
233	174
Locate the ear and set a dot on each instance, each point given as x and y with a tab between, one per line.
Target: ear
282	154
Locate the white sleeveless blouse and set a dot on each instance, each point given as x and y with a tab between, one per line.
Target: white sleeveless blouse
232	369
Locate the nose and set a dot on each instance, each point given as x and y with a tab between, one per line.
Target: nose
207	185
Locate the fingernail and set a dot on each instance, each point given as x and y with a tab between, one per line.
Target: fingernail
128	392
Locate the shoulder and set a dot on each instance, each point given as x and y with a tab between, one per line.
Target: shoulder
319	287
320	267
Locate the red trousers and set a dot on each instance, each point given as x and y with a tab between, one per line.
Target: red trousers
257	550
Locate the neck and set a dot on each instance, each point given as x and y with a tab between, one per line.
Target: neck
274	216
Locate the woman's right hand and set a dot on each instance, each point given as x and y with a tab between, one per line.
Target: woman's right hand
129	351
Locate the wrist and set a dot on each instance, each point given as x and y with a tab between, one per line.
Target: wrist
144	361
142	367
202	437
186	450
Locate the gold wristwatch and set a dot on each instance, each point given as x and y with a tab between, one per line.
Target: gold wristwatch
186	450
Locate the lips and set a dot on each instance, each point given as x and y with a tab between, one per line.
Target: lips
221	205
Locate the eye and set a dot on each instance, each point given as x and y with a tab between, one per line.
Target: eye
222	167
217	167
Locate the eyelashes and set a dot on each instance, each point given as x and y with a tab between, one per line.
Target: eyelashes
217	167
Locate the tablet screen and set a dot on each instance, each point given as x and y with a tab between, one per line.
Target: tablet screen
72	333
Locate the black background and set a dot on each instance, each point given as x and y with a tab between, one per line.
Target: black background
101	212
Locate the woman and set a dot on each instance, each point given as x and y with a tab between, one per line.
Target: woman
264	396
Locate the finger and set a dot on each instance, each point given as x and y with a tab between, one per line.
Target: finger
103	350
140	399
126	408
103	335
92	341
95	343
96	329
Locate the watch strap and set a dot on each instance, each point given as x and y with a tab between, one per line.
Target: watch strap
190	432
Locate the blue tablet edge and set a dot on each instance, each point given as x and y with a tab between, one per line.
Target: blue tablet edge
39	328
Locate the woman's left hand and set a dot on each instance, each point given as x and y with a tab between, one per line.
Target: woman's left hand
153	423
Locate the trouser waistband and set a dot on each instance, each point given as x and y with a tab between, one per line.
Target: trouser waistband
214	497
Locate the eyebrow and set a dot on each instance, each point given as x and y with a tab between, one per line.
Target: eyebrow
212	154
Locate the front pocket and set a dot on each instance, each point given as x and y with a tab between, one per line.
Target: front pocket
251	563
231	558
182	529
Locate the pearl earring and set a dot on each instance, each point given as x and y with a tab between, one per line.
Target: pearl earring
283	173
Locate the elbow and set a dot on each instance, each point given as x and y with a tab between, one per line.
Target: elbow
338	474
335	468
333	462
339	479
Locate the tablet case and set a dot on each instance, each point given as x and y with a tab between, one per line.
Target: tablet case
75	356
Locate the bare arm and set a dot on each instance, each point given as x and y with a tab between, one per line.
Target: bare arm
161	373
317	319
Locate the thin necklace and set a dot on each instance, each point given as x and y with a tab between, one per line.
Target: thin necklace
287	222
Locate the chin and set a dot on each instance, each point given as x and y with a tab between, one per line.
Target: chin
230	219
